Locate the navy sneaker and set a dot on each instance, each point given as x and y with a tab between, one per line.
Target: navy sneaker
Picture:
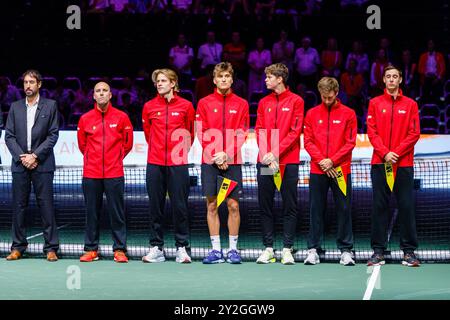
410	260
214	256
377	259
233	257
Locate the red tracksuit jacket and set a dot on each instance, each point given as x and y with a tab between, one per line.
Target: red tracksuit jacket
104	139
222	125
330	133
393	125
169	130
281	113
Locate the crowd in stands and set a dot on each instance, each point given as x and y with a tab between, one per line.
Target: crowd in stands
358	68
424	79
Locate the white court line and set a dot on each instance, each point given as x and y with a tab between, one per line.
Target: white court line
372	282
41	233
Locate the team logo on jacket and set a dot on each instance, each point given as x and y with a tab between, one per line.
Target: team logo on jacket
268	110
175	114
401	111
285	109
233	111
337	121
93	128
159	113
113	125
384	110
320	121
215	110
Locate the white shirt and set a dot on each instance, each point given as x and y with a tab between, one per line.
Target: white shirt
306	61
31	114
181	57
209	54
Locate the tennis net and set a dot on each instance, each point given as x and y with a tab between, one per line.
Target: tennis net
432	201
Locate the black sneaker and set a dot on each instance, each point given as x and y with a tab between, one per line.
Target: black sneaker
377	259
410	260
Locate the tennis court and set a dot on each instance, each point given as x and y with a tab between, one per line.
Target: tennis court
104	279
35	278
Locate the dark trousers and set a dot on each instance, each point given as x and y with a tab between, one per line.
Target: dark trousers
318	190
173	180
266	192
93	190
403	190
43	189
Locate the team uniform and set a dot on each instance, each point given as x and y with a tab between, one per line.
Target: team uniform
227	116
330	132
393	125
278	126
104	139
169	131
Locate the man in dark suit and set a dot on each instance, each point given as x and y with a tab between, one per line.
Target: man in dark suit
31	133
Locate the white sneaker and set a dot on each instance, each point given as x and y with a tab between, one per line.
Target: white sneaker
266	256
154	255
286	256
182	256
312	258
347	259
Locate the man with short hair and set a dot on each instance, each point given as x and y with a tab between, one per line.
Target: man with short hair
168	123
209	53
330	137
222	127
393	128
105	137
31	133
278	126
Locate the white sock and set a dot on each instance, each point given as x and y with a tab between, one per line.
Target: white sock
233	242
270	249
215	241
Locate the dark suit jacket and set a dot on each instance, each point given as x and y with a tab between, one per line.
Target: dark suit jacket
44	134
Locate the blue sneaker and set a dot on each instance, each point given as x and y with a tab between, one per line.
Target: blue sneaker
233	257
214	256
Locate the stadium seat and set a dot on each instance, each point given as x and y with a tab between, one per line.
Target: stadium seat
361	124
255	96
91	81
447	112
49	83
73	120
252	120
187	94
310	99
447	88
45	93
19	83
253	108
72	83
141	83
117	83
430	110
429	124
7	79
62	121
447	99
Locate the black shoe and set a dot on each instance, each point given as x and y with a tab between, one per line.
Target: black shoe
410	260
377	259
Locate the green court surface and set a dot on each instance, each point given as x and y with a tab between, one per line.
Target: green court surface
37	279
